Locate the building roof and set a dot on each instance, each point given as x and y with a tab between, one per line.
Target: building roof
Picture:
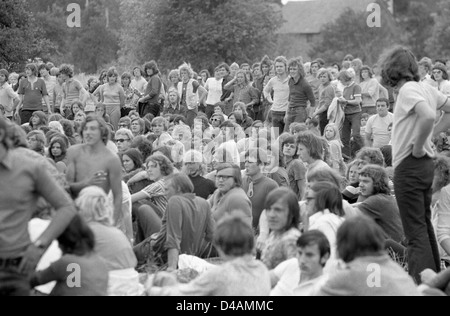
308	17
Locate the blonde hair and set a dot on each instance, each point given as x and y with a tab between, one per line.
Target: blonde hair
337	135
94	206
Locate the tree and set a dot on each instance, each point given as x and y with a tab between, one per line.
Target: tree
201	32
21	39
96	43
350	33
417	26
439	43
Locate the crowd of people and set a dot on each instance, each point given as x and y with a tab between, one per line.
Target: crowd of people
298	176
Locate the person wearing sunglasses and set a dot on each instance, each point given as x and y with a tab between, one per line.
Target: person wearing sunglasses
440	74
255	183
123	139
229	195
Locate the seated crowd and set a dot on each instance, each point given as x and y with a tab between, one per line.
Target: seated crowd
286	175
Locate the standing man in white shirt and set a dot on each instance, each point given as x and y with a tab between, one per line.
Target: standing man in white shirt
214	88
280	87
377	127
412	151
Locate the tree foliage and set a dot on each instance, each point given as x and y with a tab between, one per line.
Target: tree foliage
20	37
200	32
351	34
439	43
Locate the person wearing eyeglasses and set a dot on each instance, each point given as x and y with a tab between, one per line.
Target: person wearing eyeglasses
440	74
123	139
229	195
255	183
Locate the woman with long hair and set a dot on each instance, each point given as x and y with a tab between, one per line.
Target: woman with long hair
333	137
283	216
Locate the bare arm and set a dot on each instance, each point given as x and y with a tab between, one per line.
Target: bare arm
424	126
301	188
115	176
172	259
230	85
138	196
47	102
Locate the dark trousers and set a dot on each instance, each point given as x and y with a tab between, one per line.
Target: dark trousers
323	122
13	283
278	122
145	108
412	182
351	127
209	110
295	115
25	115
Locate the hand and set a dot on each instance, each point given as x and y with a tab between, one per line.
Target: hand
98	179
260	244
427	276
418	152
285	119
141	100
30	259
163	279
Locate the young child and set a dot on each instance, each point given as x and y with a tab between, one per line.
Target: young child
313	126
80	271
332	135
364	119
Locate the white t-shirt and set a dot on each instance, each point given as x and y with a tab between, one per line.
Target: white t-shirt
140	84
214	88
288	273
404	132
378	127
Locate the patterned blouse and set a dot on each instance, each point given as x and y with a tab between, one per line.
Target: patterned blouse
280	247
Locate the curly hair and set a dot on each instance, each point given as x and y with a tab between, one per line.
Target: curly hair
379	177
314	144
371	155
441	172
163	162
66	69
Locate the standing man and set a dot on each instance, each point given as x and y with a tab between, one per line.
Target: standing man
149	102
191	92
92	163
377	133
22	181
31	92
412	151
300	92
50	83
314	82
279	85
255	183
